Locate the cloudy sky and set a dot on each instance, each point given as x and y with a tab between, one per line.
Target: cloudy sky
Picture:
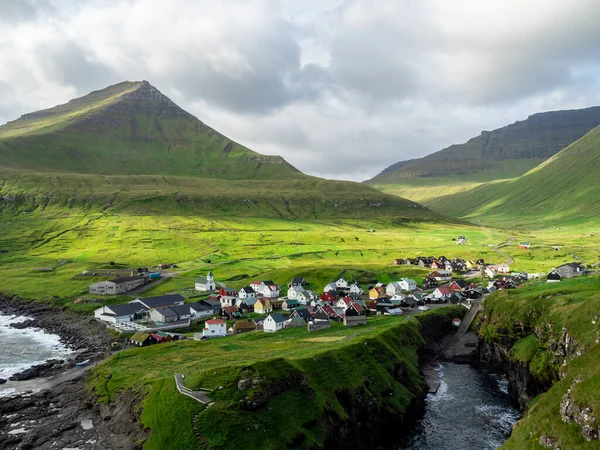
340	88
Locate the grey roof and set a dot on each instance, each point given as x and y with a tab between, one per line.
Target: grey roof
181	309
126	309
200	306
161	300
167	312
247	290
202	280
213	303
278	317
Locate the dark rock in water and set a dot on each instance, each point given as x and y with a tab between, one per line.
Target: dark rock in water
32	372
25	324
2	381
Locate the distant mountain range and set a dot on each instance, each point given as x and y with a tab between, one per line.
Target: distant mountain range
563	189
129	148
504	153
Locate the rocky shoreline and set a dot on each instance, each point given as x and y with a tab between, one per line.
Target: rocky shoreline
65	415
88	338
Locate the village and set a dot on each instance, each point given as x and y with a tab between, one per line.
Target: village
260	306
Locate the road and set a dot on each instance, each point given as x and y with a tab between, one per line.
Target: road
197	395
496	248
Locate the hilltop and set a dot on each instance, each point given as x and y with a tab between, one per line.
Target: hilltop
130	128
562	189
507	152
129	149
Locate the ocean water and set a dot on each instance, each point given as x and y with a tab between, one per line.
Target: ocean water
21	349
471	410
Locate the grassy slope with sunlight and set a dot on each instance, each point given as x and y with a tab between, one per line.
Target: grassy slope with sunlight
562	190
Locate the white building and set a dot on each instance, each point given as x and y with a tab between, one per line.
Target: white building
356	289
127	312
271	291
305	297
504	268
273	323
228	300
393	288
293	292
246	292
117	285
342	283
214	328
330	287
406	284
206	284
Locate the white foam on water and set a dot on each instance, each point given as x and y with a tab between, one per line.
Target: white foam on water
22	349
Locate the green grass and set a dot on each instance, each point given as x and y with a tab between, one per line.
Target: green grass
359	362
559	191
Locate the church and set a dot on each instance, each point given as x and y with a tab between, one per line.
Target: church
206	283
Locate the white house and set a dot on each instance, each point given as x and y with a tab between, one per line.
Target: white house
271	291
442	275
343	303
442	293
305	297
448	266
258	286
227	300
273	323
393	288
214	328
330	287
247	292
342	283
293	292
199	309
355	289
503	268
206	284
490	271
406	284
123	313
397	297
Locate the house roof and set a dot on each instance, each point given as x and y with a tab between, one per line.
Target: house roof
126	309
214	322
245	325
278	318
228	290
298	280
292	301
202	280
358	308
161	300
181	309
140	336
247	290
444	290
231	309
302	312
200	306
167	312
268	283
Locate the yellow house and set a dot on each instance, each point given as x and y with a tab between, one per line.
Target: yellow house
376	292
471	265
263	306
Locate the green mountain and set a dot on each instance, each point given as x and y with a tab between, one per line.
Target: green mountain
560	190
126	129
128	148
504	153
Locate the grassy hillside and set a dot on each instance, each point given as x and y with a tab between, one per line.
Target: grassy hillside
504	153
552	331
308	382
561	190
130	128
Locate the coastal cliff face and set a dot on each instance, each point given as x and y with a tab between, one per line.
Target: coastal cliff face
548	347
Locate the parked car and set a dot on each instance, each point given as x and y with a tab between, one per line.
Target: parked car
423	308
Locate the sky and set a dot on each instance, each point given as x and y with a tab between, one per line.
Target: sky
341	89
